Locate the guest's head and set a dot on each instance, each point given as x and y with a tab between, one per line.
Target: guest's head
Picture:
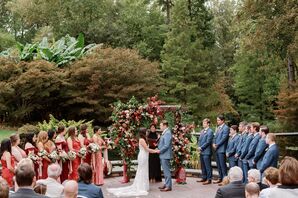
40	189
61	130
85	173
51	134
233	130
96	130
270	138
288	172
264	130
42	137
72	132
242	126
71	189
220	120
4	188
235	174
255	127
54	171
271	176
206	123
153	128
25	174
252	190
254	175
5	146
83	130
163	125
15	139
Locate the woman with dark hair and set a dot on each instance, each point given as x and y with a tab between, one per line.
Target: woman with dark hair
30	149
154	161
140	184
7	161
74	145
86	188
97	157
16	151
85	140
50	143
62	149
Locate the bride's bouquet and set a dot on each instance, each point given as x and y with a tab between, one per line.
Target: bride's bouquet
72	155
54	156
82	152
93	148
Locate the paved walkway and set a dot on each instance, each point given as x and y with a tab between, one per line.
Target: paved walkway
190	190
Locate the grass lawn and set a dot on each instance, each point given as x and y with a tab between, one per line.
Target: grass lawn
5	133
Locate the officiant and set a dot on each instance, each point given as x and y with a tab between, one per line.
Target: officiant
154	161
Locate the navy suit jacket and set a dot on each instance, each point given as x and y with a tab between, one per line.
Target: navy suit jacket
241	143
252	147
221	139
245	147
89	190
260	150
205	142
270	158
232	145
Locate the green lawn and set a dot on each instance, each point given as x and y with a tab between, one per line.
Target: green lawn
5	133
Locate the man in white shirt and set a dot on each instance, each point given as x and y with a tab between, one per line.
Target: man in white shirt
54	188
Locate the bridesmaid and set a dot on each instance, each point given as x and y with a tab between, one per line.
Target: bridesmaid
42	139
154	161
97	164
62	146
31	149
74	145
50	143
7	161
85	140
16	151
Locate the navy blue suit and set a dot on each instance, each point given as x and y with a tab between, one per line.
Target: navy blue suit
270	158
251	150
205	143
89	190
260	151
239	147
231	150
221	140
244	152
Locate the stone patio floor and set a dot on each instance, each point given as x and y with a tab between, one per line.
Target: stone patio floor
190	190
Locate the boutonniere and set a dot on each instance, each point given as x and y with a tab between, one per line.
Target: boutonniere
267	149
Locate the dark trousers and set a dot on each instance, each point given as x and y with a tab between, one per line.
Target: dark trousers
245	169
206	167
232	162
221	165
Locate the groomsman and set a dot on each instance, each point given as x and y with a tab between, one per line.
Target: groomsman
244	152
232	146
253	145
220	146
271	156
260	150
205	149
243	136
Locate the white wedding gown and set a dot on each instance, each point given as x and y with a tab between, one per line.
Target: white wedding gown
140	184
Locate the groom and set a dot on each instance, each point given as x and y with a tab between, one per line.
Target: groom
165	154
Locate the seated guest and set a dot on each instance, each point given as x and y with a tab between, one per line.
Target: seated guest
40	189
4	189
235	188
25	179
288	174
70	189
86	188
271	156
271	179
252	190
254	175
54	188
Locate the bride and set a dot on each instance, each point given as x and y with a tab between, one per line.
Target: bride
140	185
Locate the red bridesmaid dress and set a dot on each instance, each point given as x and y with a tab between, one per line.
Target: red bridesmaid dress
6	173
76	145
62	145
36	165
45	165
88	155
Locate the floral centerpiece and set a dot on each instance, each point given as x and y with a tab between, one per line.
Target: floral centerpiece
54	156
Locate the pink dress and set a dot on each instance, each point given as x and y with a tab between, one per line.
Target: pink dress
98	166
76	145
